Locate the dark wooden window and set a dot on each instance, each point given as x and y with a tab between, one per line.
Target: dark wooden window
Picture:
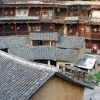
5	50
88	44
39	42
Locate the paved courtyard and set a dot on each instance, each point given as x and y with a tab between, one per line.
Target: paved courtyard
92	94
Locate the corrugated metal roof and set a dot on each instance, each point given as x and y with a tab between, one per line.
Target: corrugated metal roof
87	61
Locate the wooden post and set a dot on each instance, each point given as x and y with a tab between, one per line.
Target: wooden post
50	43
15	28
29	29
41	13
73	73
67	11
53	15
65	30
83	76
28	10
48	62
78	75
3	29
78	21
3	11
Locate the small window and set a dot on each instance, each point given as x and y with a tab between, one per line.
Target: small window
61	67
19	11
87	28
39	42
6	13
22	12
5	50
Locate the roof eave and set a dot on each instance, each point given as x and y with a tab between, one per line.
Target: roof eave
74	81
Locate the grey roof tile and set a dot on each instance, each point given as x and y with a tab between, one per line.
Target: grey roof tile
19	79
43	36
13	41
44	52
70	42
50	2
66	54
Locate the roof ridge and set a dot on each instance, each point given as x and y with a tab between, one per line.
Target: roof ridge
25	62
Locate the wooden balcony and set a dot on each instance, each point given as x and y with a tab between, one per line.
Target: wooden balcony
53	19
58	19
46	20
84	19
95	36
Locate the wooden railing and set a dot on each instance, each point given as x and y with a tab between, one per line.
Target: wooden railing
58	17
95	36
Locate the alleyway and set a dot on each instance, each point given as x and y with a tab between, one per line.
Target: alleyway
92	94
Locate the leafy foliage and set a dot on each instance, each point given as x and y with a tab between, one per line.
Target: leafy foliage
95	77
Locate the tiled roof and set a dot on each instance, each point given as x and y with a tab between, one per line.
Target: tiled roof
51	2
19	18
13	41
66	54
70	42
63	41
44	52
43	36
19	79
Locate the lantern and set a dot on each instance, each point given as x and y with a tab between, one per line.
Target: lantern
58	9
94	48
18	28
95	29
12	27
37	27
50	27
11	12
24	12
82	28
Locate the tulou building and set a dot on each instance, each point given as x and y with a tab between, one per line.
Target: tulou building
23	80
67	18
54	32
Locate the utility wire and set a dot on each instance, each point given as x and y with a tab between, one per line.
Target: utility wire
74	22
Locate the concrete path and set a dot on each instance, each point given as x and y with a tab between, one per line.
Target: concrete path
92	94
